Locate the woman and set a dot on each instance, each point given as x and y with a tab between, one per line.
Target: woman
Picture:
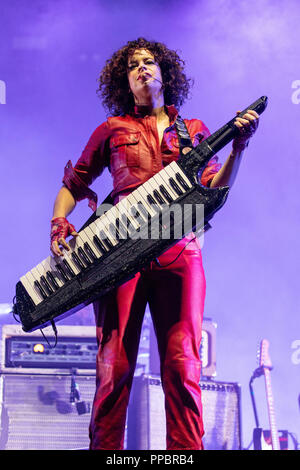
141	85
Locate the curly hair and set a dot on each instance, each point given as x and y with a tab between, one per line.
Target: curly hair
113	82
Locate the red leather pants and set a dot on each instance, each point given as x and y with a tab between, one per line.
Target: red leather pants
176	299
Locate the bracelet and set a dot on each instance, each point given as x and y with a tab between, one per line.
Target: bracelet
239	147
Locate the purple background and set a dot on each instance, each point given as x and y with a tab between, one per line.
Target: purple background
50	55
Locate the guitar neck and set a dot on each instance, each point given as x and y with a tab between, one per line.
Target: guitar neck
270	402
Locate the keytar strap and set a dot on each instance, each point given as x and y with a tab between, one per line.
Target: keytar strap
185	140
183	135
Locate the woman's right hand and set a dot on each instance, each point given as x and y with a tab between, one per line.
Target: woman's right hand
60	229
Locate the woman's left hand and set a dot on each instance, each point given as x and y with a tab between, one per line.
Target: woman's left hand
247	126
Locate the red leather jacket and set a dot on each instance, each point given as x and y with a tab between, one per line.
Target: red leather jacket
129	146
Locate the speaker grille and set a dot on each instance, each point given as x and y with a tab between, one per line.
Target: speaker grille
36	412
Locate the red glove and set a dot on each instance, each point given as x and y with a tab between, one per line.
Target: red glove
60	229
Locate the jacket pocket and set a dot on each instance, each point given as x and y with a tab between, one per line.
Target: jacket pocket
125	150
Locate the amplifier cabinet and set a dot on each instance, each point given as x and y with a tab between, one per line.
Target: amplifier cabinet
37	413
221	415
77	348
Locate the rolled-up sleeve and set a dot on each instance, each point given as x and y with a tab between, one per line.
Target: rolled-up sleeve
90	165
210	171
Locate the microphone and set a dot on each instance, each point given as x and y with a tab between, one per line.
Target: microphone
150	76
81	406
157	80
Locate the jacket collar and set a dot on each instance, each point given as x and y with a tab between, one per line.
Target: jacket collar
143	111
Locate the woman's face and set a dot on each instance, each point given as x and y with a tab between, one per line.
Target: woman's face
144	75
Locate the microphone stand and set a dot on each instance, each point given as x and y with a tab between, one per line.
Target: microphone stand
257	373
75	399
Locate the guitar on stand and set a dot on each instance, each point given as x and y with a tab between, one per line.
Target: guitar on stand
262	439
